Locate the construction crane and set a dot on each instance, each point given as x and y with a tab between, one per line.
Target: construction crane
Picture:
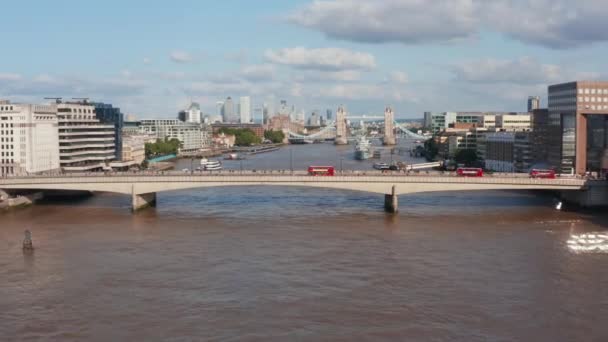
57	99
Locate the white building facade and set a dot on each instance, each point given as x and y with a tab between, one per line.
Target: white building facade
245	109
193	137
28	139
193	113
85	144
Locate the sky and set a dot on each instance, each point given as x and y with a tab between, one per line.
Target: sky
152	58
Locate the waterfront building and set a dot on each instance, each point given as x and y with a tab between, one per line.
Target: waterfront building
29	142
193	137
577	126
523	154
533	103
507	151
540	135
497	152
134	148
108	114
285	124
85	143
245	109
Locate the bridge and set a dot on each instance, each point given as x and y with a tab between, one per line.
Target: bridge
338	129
142	187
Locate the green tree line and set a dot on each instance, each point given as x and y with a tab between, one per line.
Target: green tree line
162	147
244	136
276	137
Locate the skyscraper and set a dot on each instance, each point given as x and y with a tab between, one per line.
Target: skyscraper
229	115
533	103
245	109
219	107
329	114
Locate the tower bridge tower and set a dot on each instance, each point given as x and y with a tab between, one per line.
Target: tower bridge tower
341	133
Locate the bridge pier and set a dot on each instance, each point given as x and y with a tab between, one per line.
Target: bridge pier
143	201
391	202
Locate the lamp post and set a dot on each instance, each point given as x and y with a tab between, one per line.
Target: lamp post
241	165
341	160
191	166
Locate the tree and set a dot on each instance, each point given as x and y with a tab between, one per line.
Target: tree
468	157
162	147
243	137
431	149
274	136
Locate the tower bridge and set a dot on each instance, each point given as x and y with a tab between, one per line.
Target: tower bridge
338	129
143	187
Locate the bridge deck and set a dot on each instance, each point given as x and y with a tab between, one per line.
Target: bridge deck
285	177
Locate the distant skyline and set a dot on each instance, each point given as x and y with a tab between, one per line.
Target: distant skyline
151	58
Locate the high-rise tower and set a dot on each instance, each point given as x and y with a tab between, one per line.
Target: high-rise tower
389	127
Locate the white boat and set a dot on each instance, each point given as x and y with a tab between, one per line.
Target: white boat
210	165
363	148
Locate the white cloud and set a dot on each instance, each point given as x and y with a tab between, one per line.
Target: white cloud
258	72
550	23
240	56
48	85
313	76
328	59
408	21
10	77
398	77
179	56
524	70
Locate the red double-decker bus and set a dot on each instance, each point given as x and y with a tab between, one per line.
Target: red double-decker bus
321	170
469	172
538	173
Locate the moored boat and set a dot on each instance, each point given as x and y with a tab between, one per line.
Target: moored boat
210	165
363	148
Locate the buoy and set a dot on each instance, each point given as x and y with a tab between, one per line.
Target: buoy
27	241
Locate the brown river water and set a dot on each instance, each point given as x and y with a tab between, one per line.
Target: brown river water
283	264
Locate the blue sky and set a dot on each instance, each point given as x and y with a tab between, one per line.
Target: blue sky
152	57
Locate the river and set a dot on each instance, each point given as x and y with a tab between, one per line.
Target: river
272	263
